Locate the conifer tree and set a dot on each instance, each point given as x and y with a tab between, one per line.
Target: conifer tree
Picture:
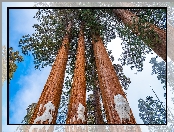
110	86
152	35
77	103
53	87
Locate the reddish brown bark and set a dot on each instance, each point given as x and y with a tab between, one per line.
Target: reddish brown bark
53	88
96	102
157	44
78	91
109	83
97	106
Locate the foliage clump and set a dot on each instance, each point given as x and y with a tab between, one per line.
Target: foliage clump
13	57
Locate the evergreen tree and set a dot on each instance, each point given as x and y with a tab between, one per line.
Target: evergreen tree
152	35
53	87
111	87
159	68
77	103
152	111
13	58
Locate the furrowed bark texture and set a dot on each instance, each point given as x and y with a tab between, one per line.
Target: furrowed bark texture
53	88
78	91
97	106
157	44
96	103
109	83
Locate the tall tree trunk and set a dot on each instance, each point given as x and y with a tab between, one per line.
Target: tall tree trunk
97	110
51	94
77	105
110	87
97	106
96	102
156	43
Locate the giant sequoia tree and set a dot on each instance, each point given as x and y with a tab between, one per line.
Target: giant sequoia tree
153	36
52	42
77	103
53	87
109	82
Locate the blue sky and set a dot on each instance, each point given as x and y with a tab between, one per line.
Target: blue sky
27	84
23	87
19	25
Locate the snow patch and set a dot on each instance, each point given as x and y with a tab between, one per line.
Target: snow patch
40	107
122	107
73	119
39	127
46	115
80	112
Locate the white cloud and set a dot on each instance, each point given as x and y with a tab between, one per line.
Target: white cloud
4	16
31	88
5	128
23	20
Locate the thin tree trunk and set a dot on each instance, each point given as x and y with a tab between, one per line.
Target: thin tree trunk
96	103
156	43
97	106
52	91
77	105
110	86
